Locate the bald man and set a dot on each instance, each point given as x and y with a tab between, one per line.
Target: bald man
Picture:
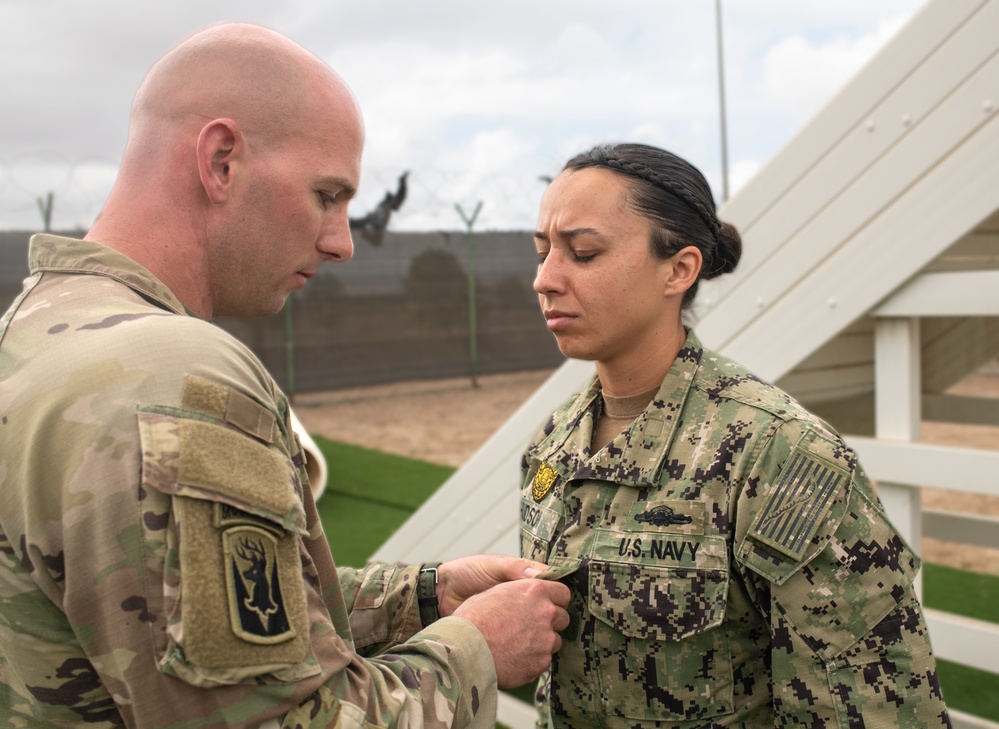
161	560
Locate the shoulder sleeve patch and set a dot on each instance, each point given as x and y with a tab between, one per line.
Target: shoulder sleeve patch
794	509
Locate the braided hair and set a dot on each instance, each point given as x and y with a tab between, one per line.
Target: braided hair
675	198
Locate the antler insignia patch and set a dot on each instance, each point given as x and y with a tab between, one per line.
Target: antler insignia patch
256	604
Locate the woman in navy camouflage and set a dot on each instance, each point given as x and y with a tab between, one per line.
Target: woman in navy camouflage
729	562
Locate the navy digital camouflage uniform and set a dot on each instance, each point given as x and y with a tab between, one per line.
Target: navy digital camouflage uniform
730	566
161	559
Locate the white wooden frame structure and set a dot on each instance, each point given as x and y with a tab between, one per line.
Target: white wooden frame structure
869	285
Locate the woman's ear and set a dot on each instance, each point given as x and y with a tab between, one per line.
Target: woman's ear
682	270
219	147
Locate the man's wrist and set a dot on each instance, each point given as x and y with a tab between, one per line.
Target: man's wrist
426	593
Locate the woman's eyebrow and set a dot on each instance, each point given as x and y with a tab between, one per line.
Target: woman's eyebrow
568	234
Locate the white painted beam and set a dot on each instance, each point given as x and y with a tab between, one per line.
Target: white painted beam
896	379
897	405
967	641
973	529
961	293
941	467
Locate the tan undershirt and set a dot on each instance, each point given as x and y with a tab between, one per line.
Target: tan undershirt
617	414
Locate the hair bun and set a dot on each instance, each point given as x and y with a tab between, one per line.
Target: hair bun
728	251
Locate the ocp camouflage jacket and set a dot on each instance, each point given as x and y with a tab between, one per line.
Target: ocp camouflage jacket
730	566
161	560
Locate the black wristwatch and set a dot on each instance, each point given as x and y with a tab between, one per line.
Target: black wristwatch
426	593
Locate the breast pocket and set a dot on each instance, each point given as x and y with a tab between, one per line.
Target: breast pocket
660	645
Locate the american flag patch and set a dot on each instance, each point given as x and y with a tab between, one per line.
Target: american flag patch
795	507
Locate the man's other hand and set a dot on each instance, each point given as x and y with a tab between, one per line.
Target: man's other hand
520	621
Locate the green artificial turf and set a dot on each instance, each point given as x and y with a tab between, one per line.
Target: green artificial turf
971	594
370	494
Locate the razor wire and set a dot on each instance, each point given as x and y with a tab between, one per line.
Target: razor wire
79	188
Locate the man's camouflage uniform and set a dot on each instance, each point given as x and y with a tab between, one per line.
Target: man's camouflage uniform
730	566
161	560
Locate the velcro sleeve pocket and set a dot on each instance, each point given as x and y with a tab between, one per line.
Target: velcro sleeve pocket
233	591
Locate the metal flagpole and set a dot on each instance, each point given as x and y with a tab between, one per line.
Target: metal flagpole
721	101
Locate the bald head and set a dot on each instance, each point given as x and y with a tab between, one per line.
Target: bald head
243	148
261	79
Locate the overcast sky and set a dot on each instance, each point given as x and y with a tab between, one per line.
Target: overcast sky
477	100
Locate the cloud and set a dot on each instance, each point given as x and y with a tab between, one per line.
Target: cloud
801	74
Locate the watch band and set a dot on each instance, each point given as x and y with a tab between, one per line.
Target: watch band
426	593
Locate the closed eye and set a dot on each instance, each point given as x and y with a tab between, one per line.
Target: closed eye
542	249
342	190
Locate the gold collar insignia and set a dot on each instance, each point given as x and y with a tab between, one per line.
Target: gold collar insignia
544	479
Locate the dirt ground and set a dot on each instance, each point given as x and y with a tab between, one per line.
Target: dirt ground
446	421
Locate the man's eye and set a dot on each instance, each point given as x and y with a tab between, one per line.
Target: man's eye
583	258
326	199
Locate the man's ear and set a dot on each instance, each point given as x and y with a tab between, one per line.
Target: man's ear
220	146
683	268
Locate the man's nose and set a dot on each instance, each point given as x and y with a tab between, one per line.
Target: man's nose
335	240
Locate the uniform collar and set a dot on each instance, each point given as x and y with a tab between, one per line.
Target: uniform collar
635	456
69	255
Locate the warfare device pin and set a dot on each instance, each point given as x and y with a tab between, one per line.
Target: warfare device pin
663	516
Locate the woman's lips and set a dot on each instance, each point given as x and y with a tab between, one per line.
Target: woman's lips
557	319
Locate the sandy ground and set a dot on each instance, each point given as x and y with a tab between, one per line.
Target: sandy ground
441	421
446	421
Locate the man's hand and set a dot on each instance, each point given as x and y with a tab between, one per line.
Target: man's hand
520	621
459	579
